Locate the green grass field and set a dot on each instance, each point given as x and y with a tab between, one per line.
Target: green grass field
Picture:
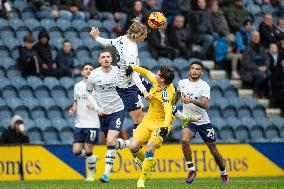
199	183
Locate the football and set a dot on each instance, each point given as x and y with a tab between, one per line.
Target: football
156	20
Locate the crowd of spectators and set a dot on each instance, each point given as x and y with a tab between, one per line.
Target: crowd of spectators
242	36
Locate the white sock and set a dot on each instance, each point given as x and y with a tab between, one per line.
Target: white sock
91	162
190	165
110	157
224	172
83	154
122	143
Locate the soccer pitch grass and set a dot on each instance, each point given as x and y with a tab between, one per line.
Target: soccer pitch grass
199	183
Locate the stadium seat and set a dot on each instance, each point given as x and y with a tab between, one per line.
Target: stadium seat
2	72
34	81
218	122
15	53
56	41
3	23
35	136
9	91
64	14
257	134
6	122
16	23
165	61
70	33
180	64
230	93
80	25
30	102
263	122
60	123
47	24
29	123
7	62
233	122
67	82
215	90
27	14
278	122
55	34
70	93
21	32
38	112
2	130
63	24
249	122
41	91
18	82
33	24
50	82
71	121
109	25
50	136
76	43
43	123
227	135
58	91
14	102
67	136
54	112
5	112
46	102
13	72
25	91
258	112
4	83
4	52
23	111
63	102
149	63
214	111
95	23
82	52
144	54
229	111
12	43
242	134
272	133
244	111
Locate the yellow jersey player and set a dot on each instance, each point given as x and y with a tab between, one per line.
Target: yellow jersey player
157	123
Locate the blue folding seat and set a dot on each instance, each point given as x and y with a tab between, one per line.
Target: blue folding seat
55	34
13	72
4	52
76	42
180	64
80	25
5	112
244	111
67	82
215	90
215	111
67	136
165	61
7	33
14	102
95	23
63	102
9	91
43	123
33	24
56	41
3	23
230	92
23	111
38	112
30	102
54	112
27	14
50	82
149	63
227	135
46	102
26	91
35	136
65	14
29	123
89	42
34	81
233	122
47	24
12	43
15	23
71	121
70	93
258	111
58	91
18	82
60	123
229	111
278	122
109	25
20	4
6	122
50	136
63	24
242	134
7	62
272	133
257	134
21	32
218	122
82	52
70	33
4	82
248	121
2	72
15	52
144	54
41	91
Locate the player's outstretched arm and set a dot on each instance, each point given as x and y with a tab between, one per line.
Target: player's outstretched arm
95	33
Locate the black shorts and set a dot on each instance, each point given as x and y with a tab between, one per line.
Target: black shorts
206	131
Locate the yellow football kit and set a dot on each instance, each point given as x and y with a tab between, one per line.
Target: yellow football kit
159	112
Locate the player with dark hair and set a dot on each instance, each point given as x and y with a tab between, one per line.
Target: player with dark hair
195	95
87	123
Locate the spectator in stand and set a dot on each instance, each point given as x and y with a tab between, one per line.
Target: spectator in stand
202	26
277	82
159	44
5	9
226	56
16	133
179	36
29	60
236	15
185	7
221	24
65	60
170	8
243	36
136	13
49	67
44	8
274	55
281	43
267	31
280	27
150	6
254	67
